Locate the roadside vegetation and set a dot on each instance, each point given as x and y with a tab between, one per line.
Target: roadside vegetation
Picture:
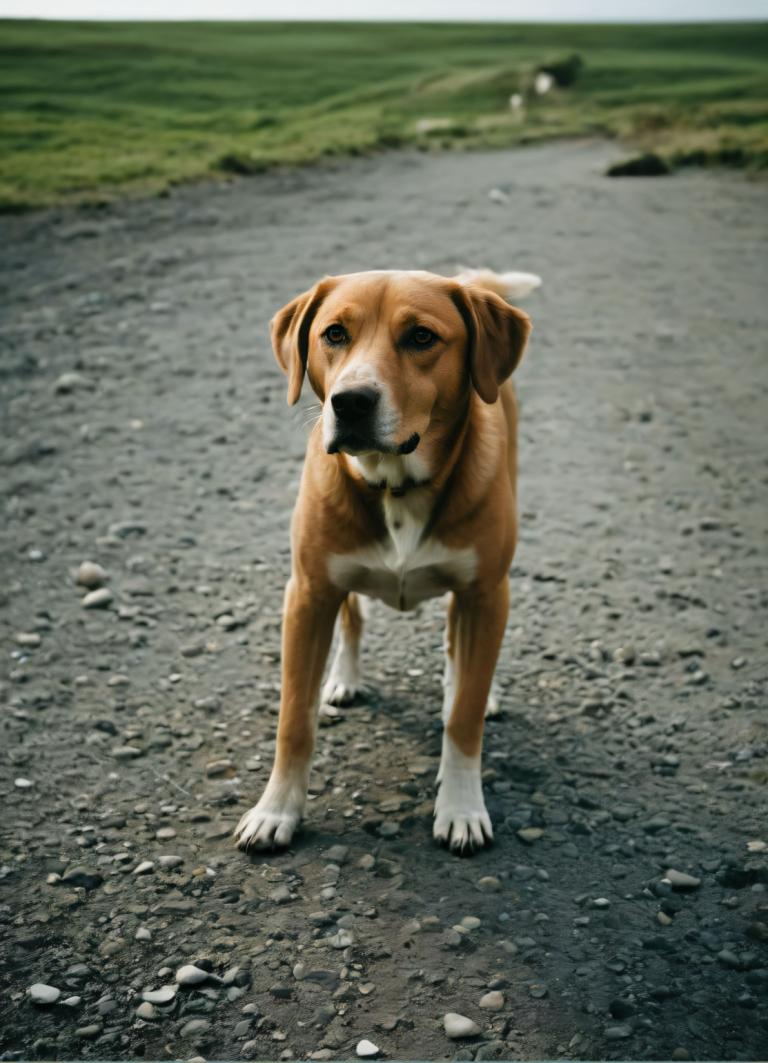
89	111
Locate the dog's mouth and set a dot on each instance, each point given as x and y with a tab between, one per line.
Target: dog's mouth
356	443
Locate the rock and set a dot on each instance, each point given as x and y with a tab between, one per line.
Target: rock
366	1049
681	881
195	1027
23	784
165	834
488	884
493	1001
69	382
170	861
91	575
341	940
98	599
27	639
40	993
146	1011
143	934
87	1033
457	1026
529	835
338	854
144	867
191	975
81	876
618	1033
164	995
126	752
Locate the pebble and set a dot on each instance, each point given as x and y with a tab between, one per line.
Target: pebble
87	1033
529	835
126	752
27	638
144	867
97	599
470	922
164	995
457	1026
146	1011
366	1049
618	1033
23	784
170	861
143	934
40	993
191	975
165	834
90	575
493	1001
195	1027
488	884
681	881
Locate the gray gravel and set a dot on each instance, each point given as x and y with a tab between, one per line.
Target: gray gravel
623	911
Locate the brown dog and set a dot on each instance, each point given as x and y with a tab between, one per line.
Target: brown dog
408	492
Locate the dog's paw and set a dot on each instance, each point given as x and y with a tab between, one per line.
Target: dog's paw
462	830
271	823
339	693
461	818
493	704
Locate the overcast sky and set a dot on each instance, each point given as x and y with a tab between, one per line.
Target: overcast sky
427	10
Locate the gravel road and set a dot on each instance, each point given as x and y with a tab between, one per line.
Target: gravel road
145	430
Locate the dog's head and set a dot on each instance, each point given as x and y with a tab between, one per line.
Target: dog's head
393	355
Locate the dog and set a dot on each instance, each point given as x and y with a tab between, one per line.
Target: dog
407	493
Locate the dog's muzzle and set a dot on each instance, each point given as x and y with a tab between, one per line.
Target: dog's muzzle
356	430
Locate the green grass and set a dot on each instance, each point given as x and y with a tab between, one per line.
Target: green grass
89	111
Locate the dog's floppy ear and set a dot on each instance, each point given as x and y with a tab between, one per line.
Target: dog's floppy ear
289	329
497	335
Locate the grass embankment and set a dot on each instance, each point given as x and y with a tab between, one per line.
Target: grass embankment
91	110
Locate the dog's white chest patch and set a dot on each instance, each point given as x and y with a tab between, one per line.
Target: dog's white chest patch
401	569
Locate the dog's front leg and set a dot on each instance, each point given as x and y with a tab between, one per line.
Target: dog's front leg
308	619
476	625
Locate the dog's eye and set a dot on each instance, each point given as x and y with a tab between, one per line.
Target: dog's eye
336	334
421	338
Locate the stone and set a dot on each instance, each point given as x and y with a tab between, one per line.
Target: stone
681	881
493	1001
40	993
144	867
164	995
488	884
366	1049
146	1011
81	876
195	1027
618	1033
90	575
457	1026
191	975
98	599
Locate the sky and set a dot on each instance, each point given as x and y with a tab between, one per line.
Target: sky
426	10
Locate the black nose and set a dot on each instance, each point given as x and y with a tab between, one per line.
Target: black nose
355	404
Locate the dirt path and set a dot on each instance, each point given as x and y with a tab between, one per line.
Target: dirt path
633	672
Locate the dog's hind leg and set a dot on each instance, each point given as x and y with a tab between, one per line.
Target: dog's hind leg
343	683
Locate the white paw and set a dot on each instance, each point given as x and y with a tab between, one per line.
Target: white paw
271	823
339	692
462	830
343	684
493	705
461	818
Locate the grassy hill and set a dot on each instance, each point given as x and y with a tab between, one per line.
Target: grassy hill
91	110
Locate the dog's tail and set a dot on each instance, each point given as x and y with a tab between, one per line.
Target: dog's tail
507	285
